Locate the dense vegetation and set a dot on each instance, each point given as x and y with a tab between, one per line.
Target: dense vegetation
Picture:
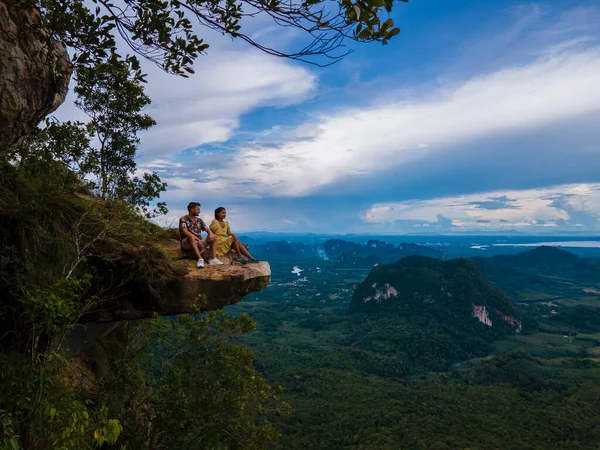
382	378
547	269
67	258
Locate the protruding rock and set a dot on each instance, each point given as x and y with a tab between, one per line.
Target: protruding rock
222	285
34	75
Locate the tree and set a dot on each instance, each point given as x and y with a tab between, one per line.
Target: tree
54	153
187	383
163	31
112	95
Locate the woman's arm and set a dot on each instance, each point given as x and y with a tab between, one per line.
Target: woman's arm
229	231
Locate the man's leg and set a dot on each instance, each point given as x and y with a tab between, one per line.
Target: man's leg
191	244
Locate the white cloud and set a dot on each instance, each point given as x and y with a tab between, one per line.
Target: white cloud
547	207
550	89
207	106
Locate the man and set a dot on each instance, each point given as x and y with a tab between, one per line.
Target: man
190	235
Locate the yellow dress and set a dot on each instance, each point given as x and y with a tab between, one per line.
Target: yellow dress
223	238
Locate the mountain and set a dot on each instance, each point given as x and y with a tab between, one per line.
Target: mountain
429	313
281	248
354	255
419	284
376	253
546	261
335	247
544	269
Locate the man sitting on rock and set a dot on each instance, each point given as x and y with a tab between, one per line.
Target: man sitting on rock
190	235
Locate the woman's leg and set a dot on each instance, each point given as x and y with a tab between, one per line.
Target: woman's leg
213	247
236	246
244	250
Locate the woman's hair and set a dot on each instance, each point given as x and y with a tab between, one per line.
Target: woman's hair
217	211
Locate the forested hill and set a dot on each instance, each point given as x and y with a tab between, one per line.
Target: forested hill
431	313
419	283
542	261
553	271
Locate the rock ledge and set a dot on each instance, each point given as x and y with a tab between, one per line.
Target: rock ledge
222	285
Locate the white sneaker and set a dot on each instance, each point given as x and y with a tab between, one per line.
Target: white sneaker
200	264
215	262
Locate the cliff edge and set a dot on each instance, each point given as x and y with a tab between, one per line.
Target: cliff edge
221	285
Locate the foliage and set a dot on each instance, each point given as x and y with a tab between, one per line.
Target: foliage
383	379
164	31
340	409
37	410
53	154
186	383
112	95
584	319
62	156
48	236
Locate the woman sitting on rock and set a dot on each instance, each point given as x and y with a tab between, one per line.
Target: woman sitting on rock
225	241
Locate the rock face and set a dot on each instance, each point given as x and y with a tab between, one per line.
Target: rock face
222	285
34	75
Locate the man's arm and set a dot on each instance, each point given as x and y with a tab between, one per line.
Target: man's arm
208	230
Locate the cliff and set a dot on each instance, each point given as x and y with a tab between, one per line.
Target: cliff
34	73
221	285
101	259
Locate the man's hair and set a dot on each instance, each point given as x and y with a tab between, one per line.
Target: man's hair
192	205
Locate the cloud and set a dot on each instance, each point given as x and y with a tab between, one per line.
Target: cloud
516	113
387	135
566	206
493	203
207	107
443	221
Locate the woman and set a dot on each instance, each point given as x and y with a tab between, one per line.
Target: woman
225	241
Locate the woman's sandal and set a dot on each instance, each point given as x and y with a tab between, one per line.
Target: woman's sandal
246	260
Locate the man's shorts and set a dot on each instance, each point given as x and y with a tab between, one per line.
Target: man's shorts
185	244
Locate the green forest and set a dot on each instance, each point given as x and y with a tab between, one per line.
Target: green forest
404	373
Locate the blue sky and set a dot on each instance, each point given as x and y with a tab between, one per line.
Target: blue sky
479	115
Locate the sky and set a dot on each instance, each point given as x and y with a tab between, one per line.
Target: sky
479	116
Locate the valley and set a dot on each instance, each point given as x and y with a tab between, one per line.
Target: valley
426	376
